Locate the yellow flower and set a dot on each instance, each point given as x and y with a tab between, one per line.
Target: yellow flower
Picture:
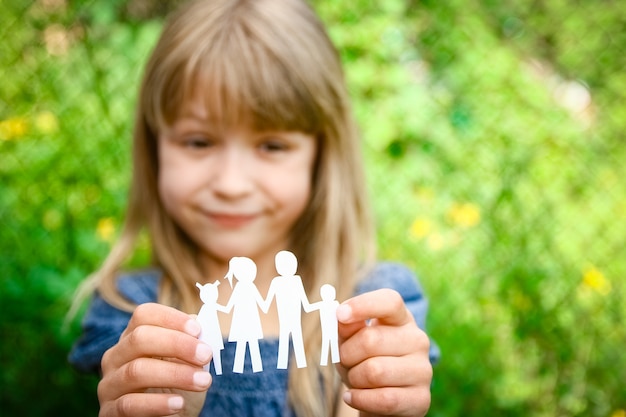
464	214
106	229
13	128
420	227
618	413
436	242
594	279
47	123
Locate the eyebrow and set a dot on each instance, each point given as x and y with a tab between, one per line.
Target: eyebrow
188	113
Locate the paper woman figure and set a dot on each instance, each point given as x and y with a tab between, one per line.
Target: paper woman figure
209	322
290	299
328	319
245	328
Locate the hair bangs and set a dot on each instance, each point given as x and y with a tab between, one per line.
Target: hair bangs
240	78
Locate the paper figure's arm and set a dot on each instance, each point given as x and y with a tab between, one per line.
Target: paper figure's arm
306	306
223	309
314	306
229	306
265	304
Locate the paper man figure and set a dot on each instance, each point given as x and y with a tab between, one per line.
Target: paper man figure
245	328
328	319
209	322
290	300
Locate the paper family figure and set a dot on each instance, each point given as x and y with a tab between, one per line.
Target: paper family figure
328	319
245	327
245	301
211	333
290	297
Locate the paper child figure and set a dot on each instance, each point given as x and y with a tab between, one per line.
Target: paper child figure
328	319
245	328
209	322
290	300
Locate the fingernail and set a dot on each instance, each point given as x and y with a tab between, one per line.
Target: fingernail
202	379
344	313
175	403
347	397
193	328
203	352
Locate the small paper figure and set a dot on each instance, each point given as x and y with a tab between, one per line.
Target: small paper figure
328	319
290	300
245	328
207	317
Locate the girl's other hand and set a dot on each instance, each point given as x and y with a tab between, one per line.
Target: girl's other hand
384	356
156	368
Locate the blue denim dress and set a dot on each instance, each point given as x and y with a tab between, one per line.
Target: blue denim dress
262	394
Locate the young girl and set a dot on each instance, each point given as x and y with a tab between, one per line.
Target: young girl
244	145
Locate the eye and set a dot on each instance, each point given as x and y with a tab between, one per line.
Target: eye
273	145
197	142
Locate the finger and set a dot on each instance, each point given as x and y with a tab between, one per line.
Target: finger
153	341
387	371
143	405
390	400
163	316
346	331
384	305
144	373
381	340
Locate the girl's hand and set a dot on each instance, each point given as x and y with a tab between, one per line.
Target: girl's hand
384	363
156	367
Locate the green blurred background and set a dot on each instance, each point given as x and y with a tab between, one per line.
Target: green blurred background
495	142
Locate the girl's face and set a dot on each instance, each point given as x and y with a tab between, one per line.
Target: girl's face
234	191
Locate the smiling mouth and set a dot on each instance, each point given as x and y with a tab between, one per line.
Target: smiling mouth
231	221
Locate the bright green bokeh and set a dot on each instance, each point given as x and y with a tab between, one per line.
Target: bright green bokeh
493	133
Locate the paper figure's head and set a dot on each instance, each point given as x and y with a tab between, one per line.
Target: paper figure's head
327	292
242	268
286	263
208	292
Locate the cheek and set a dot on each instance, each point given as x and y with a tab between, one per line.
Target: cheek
178	176
173	186
167	193
296	192
304	188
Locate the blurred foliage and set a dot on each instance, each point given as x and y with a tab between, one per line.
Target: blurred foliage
494	133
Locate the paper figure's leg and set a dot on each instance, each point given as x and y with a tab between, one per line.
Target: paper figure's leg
324	354
255	356
298	349
283	350
217	361
240	352
334	348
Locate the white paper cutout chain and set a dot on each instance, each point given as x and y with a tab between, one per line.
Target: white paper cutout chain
245	301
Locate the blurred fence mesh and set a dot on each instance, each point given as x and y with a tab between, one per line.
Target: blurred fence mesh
494	139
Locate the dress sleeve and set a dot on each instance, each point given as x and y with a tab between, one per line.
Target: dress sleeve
103	324
398	277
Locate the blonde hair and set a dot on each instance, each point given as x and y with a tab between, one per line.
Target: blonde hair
270	64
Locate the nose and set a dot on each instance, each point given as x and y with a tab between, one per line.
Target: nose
231	173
